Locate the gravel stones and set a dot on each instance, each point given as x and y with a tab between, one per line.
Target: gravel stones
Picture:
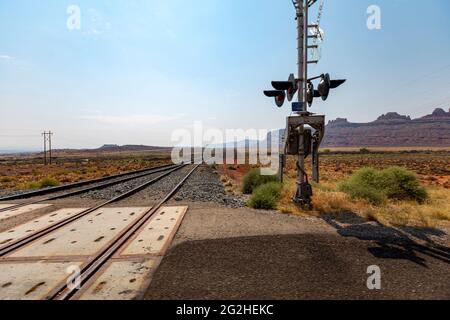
204	186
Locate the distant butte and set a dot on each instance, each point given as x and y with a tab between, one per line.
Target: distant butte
391	130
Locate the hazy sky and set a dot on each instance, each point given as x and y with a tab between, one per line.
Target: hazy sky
138	69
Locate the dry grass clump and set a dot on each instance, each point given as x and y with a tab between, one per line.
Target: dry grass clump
328	202
429	214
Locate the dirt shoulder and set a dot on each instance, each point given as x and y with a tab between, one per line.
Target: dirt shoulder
207	222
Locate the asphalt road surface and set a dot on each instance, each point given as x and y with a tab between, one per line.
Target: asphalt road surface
222	253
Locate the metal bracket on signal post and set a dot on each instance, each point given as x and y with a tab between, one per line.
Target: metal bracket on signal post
311	142
317	122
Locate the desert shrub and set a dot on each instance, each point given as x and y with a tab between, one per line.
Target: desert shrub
362	191
377	186
32	185
364	151
401	184
6	179
254	179
48	182
266	196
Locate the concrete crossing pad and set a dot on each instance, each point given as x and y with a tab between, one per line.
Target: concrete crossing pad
21	210
33	280
122	280
129	273
37	224
83	237
156	235
5	205
36	270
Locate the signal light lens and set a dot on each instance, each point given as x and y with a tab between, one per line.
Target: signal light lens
279	96
324	86
279	100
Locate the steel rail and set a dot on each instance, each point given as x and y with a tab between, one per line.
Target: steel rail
98	186
17	244
97	262
74	185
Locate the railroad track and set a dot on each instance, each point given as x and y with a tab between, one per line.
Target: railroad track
75	185
19	243
65	292
102	257
98	184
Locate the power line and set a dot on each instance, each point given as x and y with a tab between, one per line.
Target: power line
16	136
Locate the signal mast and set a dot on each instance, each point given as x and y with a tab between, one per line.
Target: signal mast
301	140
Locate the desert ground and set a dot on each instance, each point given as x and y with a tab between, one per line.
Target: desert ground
223	249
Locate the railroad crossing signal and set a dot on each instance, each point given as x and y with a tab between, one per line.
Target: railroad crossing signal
288	89
300	140
279	95
283	90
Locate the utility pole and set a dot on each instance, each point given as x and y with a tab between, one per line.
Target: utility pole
45	147
47	138
50	145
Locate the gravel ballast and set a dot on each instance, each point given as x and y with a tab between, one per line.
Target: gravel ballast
204	186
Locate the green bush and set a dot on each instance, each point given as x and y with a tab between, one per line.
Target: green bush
253	179
266	196
48	182
378	186
401	184
361	191
32	185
